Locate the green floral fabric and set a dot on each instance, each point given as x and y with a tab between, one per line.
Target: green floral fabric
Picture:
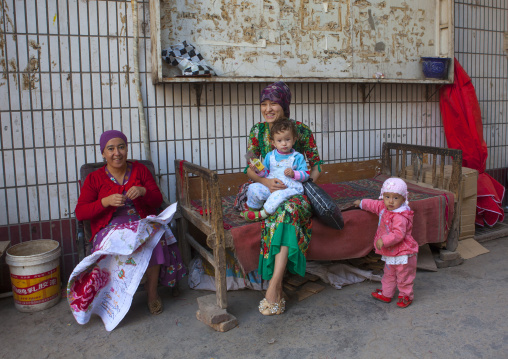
289	226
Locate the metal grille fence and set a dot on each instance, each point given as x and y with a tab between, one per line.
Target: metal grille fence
67	76
481	43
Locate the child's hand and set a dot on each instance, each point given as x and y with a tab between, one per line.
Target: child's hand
379	244
289	172
252	167
357	203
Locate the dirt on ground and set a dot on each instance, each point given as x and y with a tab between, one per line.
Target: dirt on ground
458	312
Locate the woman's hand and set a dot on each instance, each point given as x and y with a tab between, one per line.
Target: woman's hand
289	172
379	244
114	200
357	203
273	184
135	192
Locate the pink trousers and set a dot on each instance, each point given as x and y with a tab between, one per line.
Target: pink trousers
401	276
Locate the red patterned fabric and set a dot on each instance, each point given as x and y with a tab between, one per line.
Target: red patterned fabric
433	214
87	285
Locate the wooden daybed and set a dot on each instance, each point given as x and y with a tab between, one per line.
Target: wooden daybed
205	201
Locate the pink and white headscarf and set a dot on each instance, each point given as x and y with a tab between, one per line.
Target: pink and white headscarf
395	185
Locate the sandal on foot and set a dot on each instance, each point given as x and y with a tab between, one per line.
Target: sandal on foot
155	307
404	302
267	308
378	294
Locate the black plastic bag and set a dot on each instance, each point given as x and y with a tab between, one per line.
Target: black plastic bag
323	205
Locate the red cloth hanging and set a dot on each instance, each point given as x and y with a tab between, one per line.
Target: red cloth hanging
463	128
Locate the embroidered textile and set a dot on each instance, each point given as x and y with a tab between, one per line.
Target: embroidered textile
104	282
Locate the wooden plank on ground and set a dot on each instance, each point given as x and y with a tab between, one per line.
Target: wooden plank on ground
302	294
296	280
311	277
313	287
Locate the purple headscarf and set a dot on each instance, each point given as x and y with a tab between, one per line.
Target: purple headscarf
277	92
109	135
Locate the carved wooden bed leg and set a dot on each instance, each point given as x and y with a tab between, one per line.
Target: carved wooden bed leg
212	308
220	276
452	241
453	237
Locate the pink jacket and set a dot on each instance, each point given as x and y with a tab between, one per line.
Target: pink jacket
394	229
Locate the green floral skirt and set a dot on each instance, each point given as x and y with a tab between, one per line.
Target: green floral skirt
289	226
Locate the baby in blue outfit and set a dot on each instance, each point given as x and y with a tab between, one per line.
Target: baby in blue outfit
283	163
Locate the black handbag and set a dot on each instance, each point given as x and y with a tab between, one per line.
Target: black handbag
323	205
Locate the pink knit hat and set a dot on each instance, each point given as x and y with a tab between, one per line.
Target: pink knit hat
395	185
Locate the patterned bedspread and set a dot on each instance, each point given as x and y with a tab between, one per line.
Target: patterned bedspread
433	215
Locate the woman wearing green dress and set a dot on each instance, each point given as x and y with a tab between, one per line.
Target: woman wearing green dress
285	235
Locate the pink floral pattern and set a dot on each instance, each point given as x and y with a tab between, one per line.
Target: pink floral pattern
86	286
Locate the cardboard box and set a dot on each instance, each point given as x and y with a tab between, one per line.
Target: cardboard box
469	178
468	206
468	195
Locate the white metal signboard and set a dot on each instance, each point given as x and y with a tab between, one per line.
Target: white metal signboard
305	40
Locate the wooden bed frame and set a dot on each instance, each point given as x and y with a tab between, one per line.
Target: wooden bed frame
196	182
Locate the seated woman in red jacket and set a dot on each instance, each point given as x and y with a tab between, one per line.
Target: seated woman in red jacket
123	192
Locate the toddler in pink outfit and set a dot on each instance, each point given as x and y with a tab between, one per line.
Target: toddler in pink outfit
394	241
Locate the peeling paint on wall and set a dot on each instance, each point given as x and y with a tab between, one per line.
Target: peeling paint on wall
127	69
7	24
14	68
304	38
29	74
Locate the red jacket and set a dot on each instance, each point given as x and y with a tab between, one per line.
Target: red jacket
98	185
394	229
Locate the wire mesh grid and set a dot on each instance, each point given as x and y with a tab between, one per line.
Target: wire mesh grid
67	76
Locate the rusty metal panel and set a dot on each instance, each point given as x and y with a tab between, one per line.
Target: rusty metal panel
308	39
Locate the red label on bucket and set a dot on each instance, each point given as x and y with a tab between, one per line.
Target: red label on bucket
34	276
35	288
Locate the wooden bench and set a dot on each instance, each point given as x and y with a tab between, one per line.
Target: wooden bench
196	182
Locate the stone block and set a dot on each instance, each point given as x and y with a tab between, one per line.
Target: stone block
447	255
210	311
444	264
219	327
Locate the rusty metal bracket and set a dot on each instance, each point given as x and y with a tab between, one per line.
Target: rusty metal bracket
363	88
198	87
